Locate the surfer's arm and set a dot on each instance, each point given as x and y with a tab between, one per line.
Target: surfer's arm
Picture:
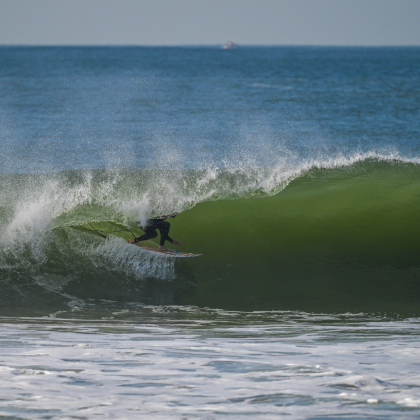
172	241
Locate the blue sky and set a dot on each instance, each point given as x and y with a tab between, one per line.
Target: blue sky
210	22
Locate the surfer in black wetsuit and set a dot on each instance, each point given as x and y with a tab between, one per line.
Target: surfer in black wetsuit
150	231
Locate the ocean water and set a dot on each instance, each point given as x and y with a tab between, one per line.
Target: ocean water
296	174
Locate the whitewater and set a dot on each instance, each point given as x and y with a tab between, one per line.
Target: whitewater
294	171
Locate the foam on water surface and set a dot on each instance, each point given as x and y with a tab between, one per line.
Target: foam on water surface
188	363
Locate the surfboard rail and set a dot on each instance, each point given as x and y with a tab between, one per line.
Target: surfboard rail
169	253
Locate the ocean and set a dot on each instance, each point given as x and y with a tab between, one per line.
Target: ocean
295	172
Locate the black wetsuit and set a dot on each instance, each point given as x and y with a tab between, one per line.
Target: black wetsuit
150	231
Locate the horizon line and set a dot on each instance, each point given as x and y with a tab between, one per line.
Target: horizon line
238	46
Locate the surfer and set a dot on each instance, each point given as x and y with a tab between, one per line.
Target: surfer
150	231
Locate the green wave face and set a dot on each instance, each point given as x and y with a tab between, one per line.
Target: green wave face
331	241
325	240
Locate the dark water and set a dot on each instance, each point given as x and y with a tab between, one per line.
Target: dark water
70	108
295	172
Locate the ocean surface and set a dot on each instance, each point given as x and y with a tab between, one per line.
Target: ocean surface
295	172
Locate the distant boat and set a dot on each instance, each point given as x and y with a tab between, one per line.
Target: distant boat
229	44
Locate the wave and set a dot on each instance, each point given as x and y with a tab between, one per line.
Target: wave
332	236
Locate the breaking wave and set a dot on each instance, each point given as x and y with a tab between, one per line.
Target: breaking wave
324	235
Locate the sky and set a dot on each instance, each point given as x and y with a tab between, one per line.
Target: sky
210	22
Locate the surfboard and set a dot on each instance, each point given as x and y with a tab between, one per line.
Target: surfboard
169	253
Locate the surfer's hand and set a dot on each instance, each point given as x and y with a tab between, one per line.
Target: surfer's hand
176	242
131	241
